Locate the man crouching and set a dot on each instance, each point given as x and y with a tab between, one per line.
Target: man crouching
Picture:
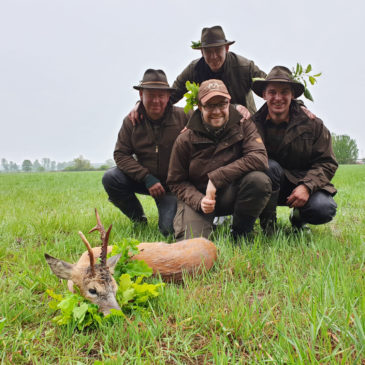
217	167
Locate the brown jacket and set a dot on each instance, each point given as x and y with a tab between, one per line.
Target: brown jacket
305	153
237	74
151	149
196	157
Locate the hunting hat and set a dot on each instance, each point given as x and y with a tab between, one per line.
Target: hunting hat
213	37
278	74
154	79
211	88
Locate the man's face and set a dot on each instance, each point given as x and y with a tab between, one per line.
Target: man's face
215	111
278	96
155	102
215	56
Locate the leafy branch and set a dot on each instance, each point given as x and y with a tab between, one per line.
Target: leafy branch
191	96
301	74
195	45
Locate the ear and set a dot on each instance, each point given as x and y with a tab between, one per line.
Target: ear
111	262
60	268
227	48
140	94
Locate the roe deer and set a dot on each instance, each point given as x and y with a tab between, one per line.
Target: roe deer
96	282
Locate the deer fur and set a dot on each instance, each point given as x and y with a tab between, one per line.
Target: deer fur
96	282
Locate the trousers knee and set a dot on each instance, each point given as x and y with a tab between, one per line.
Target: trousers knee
275	173
257	182
320	209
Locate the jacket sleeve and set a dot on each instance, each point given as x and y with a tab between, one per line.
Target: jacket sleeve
179	83
255	71
324	164
123	153
178	175
254	158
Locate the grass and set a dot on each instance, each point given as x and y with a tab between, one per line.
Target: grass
293	298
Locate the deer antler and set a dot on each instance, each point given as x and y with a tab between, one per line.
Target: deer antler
104	236
91	254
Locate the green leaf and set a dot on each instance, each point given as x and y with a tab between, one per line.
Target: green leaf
317	75
195	45
138	268
308	95
79	312
312	80
297	69
300	69
308	69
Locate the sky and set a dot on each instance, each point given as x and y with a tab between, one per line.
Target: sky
67	68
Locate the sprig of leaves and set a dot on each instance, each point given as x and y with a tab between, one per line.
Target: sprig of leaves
195	45
191	96
301	74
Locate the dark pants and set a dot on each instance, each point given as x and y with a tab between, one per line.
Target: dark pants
320	207
122	190
245	199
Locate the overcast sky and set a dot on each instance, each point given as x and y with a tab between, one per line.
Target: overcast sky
68	67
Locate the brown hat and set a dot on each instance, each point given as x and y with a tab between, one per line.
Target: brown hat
278	74
211	88
213	37
154	79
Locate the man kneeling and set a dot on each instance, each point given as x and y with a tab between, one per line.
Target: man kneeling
216	167
142	153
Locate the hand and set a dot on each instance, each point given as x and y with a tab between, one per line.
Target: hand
208	202
243	111
298	197
309	114
207	205
211	190
156	190
134	116
183	130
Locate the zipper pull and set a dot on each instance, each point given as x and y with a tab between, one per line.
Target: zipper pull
156	148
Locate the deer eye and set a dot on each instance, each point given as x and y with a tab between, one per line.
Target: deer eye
92	291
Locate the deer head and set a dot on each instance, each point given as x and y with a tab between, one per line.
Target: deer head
94	280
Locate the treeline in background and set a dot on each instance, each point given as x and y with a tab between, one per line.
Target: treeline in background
45	164
344	147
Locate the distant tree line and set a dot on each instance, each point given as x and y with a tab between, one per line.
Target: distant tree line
45	164
345	149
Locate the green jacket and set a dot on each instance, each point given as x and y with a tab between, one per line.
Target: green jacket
196	157
237	74
140	151
305	153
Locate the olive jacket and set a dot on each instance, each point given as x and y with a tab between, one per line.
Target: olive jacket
144	149
237	73
196	157
305	153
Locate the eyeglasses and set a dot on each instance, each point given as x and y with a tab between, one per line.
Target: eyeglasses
211	107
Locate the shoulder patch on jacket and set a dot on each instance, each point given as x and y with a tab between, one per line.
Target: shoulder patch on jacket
259	140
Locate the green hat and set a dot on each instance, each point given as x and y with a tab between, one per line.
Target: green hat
278	74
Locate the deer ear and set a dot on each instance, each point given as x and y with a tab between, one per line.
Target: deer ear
111	262
60	268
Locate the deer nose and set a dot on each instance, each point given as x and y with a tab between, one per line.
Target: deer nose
112	304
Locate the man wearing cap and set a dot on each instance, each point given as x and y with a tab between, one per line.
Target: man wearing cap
301	159
142	153
216	167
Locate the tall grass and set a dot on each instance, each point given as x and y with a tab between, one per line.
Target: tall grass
292	298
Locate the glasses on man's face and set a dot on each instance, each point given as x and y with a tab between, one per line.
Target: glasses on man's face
211	107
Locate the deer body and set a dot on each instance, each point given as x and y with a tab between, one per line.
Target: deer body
169	260
96	282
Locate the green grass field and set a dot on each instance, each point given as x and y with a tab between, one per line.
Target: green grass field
290	299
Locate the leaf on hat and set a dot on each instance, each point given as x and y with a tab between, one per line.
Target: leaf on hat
195	45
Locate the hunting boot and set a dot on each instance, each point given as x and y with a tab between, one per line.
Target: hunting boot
132	209
296	221
268	220
242	227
